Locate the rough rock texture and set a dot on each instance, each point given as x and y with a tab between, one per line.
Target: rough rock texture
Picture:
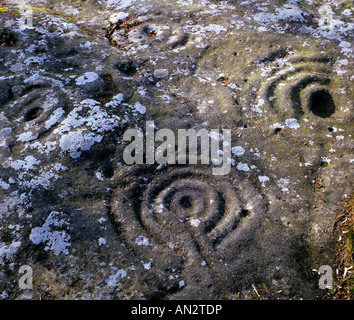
277	73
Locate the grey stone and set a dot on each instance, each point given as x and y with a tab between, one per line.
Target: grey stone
279	75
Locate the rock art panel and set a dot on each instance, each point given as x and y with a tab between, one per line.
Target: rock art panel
277	74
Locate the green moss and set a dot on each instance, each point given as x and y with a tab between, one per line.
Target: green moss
345	252
350	284
38	9
324	164
56	13
60	15
4	74
350	236
348	4
104	100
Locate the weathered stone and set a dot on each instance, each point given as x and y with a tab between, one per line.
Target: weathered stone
279	75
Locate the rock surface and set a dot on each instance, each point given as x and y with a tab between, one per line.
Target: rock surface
277	73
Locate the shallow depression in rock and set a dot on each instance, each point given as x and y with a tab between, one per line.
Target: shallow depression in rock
321	103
